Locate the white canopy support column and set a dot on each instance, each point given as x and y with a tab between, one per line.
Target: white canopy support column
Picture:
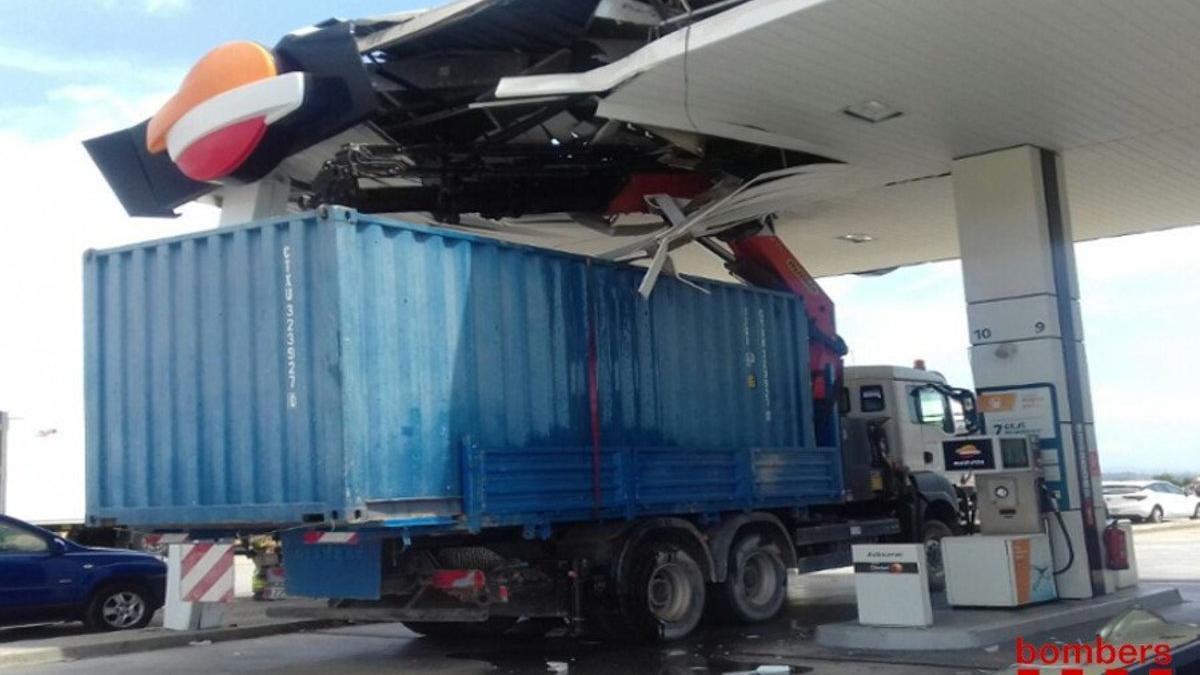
254	201
1027	351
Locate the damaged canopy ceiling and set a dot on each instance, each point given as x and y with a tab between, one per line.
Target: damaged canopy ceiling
553	121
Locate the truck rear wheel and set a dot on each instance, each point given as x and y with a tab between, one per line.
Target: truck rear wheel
665	595
756	586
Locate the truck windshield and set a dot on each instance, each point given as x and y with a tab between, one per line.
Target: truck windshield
933	407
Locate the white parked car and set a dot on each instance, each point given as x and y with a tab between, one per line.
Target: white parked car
1149	500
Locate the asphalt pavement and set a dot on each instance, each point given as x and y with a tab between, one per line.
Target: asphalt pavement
1168	555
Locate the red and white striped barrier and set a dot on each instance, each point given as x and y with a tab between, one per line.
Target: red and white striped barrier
165	538
206	573
344	538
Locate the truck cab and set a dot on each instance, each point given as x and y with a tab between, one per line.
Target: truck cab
907	414
915	408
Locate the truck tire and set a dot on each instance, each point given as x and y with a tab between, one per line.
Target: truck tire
118	606
496	625
470	558
755	588
932	533
664	599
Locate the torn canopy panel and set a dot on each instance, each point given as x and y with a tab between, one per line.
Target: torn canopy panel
533	26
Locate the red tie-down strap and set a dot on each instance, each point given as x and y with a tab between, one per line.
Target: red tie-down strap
594	408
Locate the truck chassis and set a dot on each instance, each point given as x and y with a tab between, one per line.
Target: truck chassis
650	579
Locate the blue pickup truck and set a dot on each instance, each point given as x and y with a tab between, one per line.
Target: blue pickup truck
44	578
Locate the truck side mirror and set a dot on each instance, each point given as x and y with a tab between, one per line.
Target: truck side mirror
970	409
971	414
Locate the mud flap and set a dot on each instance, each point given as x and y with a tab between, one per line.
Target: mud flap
319	570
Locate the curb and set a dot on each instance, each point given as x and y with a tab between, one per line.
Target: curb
1169	525
34	656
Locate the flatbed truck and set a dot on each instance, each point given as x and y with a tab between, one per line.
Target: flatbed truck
460	433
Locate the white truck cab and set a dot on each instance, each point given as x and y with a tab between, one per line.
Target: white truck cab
920	409
928	424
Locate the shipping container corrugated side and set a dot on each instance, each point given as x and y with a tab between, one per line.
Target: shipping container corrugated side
350	368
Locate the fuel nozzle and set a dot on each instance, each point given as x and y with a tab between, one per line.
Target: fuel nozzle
1049	498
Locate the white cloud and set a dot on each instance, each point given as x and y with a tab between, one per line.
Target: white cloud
80	97
75	68
1141	315
912	313
166	6
60	207
148	7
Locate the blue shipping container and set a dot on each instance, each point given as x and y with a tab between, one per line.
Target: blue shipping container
347	368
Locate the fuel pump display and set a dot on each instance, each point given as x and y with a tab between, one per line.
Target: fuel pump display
1010	562
1009	502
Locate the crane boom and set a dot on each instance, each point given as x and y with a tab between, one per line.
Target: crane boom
763	260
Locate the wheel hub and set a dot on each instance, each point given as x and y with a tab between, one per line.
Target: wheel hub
666	594
758	578
122	610
933	554
751	578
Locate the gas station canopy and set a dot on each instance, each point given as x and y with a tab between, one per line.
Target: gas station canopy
893	91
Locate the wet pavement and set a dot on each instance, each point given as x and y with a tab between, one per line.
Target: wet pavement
788	641
379	648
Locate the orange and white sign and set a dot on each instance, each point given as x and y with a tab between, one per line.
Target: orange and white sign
969	450
1020	412
997	402
221	113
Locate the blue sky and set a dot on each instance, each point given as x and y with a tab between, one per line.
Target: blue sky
71	69
67	50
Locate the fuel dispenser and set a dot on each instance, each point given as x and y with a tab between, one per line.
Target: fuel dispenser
1009	563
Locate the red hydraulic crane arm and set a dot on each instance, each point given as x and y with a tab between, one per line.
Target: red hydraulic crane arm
763	260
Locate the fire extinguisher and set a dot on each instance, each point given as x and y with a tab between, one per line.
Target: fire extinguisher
1115	549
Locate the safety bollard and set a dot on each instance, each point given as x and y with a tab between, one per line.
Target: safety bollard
200	580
